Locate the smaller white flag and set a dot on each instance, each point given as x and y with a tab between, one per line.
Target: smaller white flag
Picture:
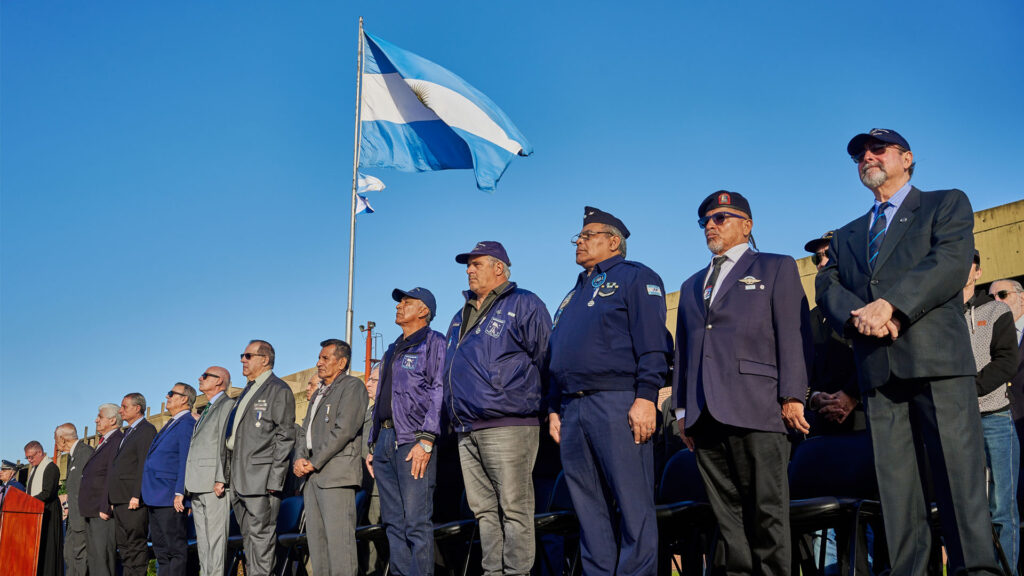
366	183
363	205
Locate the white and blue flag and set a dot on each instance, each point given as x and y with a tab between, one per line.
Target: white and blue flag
363	205
366	183
417	116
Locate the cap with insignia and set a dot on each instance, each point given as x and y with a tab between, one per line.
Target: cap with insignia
421	294
818	243
856	145
725	199
593	215
485	248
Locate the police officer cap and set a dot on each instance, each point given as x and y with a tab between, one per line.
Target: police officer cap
725	199
8	465
818	243
856	145
593	215
421	294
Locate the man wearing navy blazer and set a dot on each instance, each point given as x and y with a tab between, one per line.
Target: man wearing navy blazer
163	482
894	282
742	345
93	499
124	486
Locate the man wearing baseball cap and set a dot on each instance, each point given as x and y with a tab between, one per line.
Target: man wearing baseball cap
742	344
406	422
497	351
894	283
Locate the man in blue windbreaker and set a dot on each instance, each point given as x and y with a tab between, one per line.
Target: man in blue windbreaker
497	348
406	422
609	358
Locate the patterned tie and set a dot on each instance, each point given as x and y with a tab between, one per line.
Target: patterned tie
877	234
231	417
717	261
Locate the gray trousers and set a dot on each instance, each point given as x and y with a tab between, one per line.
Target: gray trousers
331	530
75	550
497	467
257	517
212	517
101	546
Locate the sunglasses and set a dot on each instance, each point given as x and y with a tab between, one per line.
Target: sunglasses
718	218
876	148
817	257
209	375
174	393
248	355
1004	294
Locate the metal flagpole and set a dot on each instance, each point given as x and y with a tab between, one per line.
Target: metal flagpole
355	187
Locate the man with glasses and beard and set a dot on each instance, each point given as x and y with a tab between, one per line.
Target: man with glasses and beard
894	282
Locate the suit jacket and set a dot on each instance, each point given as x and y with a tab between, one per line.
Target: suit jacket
205	464
264	438
750	350
1017	388
337	427
77	460
921	270
125	481
163	474
92	494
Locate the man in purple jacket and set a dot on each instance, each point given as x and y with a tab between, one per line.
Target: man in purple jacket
406	422
497	349
742	343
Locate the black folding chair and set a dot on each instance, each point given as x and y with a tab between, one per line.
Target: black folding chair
686	523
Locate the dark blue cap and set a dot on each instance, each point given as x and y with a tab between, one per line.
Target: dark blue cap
856	145
417	293
485	248
724	199
8	465
592	215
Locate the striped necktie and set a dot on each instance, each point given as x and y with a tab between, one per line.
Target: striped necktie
717	262
877	233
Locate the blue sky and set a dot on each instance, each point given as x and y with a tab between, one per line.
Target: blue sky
174	177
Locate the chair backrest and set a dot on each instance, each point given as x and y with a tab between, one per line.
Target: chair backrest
290	515
560	499
362	506
841	466
681	480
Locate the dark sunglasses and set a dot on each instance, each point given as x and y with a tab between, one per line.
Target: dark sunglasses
817	257
173	393
249	355
877	147
718	218
1004	294
208	375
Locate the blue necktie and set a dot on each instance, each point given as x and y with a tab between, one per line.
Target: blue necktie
877	234
231	418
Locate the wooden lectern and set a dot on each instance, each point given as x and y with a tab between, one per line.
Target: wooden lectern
21	521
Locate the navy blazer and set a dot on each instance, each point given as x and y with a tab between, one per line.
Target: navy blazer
92	493
125	480
163	474
750	351
921	270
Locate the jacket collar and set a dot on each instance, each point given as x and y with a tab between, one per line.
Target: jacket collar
470	295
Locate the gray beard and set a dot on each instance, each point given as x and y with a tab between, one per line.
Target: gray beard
873	179
716	245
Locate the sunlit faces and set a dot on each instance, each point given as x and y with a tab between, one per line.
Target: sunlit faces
731	232
129	411
328	367
409	309
254	363
483	274
879	164
34	457
595	245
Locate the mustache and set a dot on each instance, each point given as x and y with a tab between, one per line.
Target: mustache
864	169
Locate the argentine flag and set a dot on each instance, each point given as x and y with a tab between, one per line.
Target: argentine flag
417	116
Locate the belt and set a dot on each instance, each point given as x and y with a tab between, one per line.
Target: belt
582	393
389	423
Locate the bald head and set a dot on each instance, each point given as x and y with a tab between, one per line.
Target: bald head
65	436
214	380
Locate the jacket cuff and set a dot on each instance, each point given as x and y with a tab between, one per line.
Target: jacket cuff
647	392
421	435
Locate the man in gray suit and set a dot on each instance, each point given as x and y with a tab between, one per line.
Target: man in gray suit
204	473
328	455
66	440
260	434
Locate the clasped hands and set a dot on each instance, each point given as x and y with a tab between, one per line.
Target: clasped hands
876	319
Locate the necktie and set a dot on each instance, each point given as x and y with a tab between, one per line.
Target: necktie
231	417
877	234
126	435
717	262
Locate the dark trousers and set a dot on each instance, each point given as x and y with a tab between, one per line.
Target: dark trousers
131	529
604	466
745	474
917	425
101	547
406	506
170	543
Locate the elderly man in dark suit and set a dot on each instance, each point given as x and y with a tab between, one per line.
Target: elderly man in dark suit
124	486
742	344
75	556
93	497
328	455
260	435
163	482
894	282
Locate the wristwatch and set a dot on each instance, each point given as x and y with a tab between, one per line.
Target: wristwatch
426	447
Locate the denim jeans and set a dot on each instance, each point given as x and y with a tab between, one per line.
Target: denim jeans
406	505
1002	457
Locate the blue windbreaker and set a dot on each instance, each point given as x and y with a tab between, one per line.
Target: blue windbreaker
416	367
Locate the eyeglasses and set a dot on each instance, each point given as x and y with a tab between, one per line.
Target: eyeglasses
817	257
210	375
249	355
876	147
1004	294
586	236
718	218
173	393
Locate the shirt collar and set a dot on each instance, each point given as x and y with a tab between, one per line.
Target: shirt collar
109	432
733	254
896	199
216	397
604	265
262	378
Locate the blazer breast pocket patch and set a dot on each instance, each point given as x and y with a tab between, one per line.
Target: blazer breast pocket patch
409	361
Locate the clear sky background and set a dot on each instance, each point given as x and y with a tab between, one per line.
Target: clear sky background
175	176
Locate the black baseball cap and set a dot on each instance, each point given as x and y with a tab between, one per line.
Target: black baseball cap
818	243
856	145
421	294
485	248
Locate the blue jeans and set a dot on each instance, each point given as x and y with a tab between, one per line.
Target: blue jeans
406	505
1002	457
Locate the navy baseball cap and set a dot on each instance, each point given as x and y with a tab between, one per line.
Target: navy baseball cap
417	293
724	199
818	243
856	145
485	248
593	215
